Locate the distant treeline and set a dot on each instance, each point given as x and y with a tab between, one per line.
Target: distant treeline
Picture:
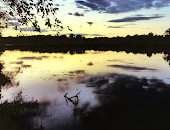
78	44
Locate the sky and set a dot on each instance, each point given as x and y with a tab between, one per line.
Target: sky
108	18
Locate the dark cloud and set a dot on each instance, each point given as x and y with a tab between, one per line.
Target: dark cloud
121	26
96	35
136	18
16	24
57	4
13	18
31	29
70	14
115	27
91	5
90	23
26	66
84	34
18	63
76	14
119	6
13	24
33	58
54	30
12	21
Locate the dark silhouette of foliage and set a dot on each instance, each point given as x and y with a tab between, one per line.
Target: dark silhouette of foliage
167	32
128	103
166	57
75	101
27	12
148	44
18	112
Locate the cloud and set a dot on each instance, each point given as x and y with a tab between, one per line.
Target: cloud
136	18
53	30
13	24
115	27
57	4
33	58
13	18
120	6
121	26
87	4
31	29
43	30
84	34
70	14
90	23
76	14
96	35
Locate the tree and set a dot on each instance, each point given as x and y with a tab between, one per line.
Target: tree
27	12
150	34
71	36
167	32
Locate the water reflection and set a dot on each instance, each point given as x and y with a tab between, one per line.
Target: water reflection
130	67
167	58
82	91
127	102
16	112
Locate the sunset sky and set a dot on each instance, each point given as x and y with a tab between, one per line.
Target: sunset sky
109	18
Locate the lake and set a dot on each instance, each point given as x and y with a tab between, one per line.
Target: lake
67	85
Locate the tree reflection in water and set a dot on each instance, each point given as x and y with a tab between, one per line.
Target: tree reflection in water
75	101
126	102
129	103
17	114
166	57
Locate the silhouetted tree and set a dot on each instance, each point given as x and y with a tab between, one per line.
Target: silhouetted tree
26	12
71	36
166	57
150	34
79	37
167	32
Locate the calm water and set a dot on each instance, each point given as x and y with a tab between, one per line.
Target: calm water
47	77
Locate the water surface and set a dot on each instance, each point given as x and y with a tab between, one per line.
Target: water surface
47	77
